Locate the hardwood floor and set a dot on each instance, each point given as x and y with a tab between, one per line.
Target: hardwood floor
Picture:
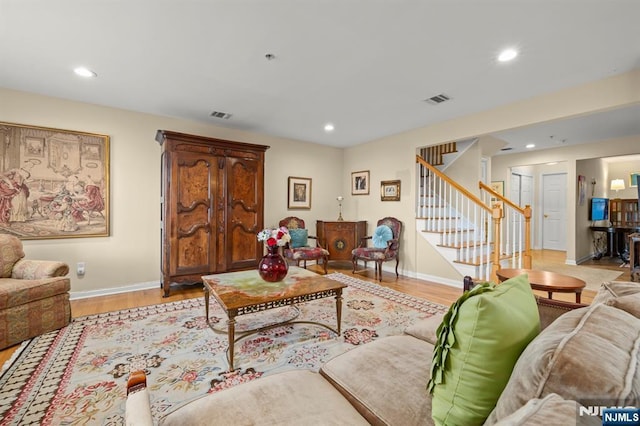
434	292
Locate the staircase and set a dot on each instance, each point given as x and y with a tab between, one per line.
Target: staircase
477	235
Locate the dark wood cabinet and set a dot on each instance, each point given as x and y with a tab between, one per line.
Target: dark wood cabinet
340	237
212	206
624	213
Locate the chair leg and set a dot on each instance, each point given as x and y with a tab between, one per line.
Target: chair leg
397	262
325	260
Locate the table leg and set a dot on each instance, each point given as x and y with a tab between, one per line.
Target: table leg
206	304
231	331
339	308
578	293
550	294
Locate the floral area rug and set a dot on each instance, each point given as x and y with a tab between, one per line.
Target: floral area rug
78	374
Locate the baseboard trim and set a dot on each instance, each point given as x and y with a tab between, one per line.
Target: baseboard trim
75	295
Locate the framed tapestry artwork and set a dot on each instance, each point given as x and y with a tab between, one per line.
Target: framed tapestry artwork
390	190
53	183
360	183
299	193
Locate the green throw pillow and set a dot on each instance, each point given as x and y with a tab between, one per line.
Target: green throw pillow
479	341
298	237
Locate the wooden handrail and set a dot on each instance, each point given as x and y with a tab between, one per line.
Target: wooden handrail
457	186
502	198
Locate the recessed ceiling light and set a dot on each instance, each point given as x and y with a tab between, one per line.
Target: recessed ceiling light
84	72
507	55
329	127
530	145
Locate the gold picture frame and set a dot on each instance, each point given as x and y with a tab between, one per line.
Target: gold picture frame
390	190
360	183
56	182
299	193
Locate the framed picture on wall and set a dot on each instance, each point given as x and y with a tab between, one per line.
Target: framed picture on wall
633	179
390	190
299	193
55	182
360	183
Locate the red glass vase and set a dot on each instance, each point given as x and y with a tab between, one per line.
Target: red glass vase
273	267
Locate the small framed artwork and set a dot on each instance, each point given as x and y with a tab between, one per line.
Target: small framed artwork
390	190
299	190
360	183
498	186
633	179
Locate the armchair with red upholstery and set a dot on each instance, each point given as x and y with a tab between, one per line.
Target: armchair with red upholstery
385	246
298	248
34	294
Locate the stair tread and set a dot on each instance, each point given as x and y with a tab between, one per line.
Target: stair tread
461	245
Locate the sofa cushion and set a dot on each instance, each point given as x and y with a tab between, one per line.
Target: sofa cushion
479	342
298	237
589	355
297	397
426	329
385	380
10	252
550	410
610	290
15	292
629	303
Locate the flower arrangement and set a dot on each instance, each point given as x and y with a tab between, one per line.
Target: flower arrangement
275	237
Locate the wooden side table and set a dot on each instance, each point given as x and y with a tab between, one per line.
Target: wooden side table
546	281
341	237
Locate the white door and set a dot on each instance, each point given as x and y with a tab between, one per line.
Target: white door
521	193
554	211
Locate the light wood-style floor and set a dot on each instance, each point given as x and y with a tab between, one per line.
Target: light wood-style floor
434	292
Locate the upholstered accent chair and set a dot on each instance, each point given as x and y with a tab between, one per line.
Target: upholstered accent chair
385	246
298	249
34	295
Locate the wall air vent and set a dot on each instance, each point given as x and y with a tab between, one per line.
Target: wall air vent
438	99
506	149
219	114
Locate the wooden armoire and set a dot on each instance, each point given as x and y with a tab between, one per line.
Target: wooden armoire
212	206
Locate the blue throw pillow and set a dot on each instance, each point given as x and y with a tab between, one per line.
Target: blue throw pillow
381	235
298	237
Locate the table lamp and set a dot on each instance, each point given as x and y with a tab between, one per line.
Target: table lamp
340	198
617	185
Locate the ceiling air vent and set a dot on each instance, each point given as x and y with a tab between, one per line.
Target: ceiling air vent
220	114
438	99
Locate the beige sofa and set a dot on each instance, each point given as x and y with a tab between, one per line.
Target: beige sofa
585	355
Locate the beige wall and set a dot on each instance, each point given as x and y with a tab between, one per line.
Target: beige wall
130	256
390	155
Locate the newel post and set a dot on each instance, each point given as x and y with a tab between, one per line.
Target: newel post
526	257
496	214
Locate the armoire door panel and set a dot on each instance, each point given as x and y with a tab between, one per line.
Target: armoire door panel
244	211
193	252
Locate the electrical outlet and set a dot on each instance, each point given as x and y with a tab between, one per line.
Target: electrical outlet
80	269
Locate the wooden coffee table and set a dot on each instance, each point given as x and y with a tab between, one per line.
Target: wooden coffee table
244	292
546	281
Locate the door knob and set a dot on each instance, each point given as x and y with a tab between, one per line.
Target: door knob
546	216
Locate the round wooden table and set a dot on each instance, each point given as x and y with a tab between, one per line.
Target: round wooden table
550	282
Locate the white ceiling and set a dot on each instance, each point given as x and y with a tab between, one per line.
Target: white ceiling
365	65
